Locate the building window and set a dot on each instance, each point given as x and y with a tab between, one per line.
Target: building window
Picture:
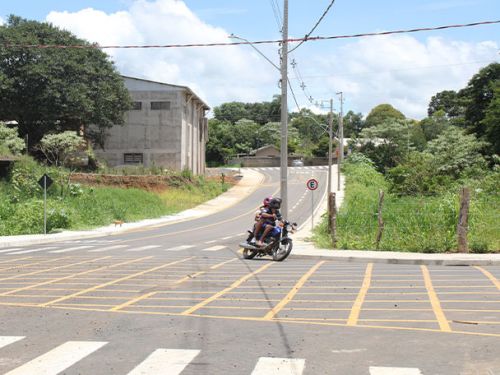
136	106
160	106
133	158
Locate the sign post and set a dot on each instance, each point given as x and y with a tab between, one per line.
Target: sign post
45	183
312	184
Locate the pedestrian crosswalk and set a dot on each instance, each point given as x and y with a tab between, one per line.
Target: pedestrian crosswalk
102	246
160	361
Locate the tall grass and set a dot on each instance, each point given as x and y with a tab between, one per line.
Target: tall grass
416	223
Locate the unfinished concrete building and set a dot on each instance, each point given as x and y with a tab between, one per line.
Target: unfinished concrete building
166	127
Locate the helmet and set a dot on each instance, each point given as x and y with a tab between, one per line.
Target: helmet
275	203
266	200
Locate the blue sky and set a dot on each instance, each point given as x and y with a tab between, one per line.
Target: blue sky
402	70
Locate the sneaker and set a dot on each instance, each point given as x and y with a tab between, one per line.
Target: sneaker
252	241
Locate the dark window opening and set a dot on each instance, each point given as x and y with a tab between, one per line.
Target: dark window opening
136	106
133	158
160	106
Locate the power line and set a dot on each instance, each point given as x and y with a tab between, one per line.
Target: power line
289	40
314	27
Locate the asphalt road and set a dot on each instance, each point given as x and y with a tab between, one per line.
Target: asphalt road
179	298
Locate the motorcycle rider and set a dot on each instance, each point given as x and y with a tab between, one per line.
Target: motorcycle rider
259	219
269	219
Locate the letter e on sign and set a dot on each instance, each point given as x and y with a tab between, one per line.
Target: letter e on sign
312	184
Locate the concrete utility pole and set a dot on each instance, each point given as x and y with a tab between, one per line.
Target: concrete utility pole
284	115
330	125
340	156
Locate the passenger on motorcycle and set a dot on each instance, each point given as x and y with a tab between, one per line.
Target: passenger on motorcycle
269	217
259	219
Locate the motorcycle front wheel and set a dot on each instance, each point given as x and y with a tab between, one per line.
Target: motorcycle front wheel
282	251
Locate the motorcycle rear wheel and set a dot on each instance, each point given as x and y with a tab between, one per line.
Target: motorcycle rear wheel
249	254
283	251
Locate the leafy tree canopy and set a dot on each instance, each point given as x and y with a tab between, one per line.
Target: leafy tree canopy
381	114
261	113
10	143
54	89
58	148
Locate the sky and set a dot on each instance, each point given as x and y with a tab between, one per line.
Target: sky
404	70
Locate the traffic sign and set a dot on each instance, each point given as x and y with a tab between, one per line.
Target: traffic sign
48	181
312	184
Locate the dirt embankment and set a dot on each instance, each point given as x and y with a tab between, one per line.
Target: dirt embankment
146	182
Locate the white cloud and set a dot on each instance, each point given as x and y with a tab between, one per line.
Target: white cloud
402	71
217	74
1	21
397	69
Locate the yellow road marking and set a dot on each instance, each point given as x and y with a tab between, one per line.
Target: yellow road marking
14	260
226	290
113	281
50	281
32	264
184	279
436	306
276	309
356	307
490	276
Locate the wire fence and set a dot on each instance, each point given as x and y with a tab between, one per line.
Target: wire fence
427	224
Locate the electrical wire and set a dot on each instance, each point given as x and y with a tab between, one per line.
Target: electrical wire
314	27
290	40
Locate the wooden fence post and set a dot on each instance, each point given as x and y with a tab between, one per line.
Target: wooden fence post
332	218
463	219
380	220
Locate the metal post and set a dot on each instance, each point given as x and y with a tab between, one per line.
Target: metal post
284	114
330	124
312	209
44	204
340	155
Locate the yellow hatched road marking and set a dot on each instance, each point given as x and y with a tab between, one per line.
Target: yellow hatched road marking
356	307
226	290
276	309
53	280
14	260
52	268
114	281
436	306
489	276
32	264
184	279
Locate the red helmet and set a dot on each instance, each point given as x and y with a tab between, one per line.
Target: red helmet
266	200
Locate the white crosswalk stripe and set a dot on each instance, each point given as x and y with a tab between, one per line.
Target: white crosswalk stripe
107	248
215	248
165	362
394	371
179	248
33	250
58	359
279	366
142	248
71	249
7	340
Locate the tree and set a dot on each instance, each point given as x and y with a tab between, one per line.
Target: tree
381	114
388	143
56	89
451	104
491	120
353	124
435	124
9	141
58	148
457	154
260	113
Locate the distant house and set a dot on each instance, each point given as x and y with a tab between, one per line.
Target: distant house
269	151
166	127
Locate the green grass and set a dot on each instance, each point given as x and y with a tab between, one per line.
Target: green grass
93	207
417	223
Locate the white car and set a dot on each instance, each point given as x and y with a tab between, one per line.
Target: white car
297	163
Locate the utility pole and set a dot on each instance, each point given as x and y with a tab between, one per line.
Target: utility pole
340	156
330	124
284	115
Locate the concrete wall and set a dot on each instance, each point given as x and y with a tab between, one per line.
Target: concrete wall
172	138
256	162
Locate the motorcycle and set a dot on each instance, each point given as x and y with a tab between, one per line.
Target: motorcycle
278	243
